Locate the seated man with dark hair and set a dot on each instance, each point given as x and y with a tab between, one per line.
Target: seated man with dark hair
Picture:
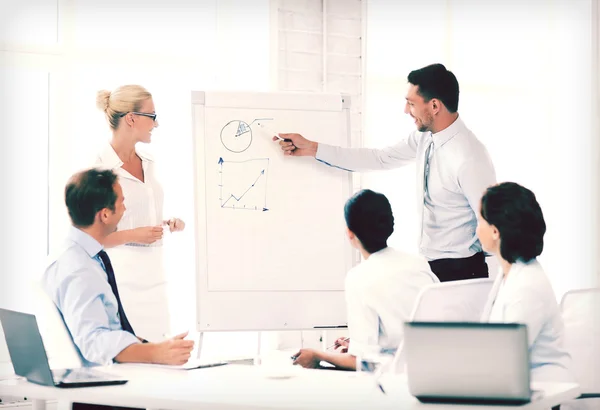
381	291
81	281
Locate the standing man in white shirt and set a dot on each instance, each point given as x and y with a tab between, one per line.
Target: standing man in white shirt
381	291
453	170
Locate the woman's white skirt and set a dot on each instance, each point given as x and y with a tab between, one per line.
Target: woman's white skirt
140	275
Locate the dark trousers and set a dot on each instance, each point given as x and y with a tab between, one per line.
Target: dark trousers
461	268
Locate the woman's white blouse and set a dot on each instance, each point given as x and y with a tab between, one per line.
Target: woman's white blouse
143	200
526	296
380	296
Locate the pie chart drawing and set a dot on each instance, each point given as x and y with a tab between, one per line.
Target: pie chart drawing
236	136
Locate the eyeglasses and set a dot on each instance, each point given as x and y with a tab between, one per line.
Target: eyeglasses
145	114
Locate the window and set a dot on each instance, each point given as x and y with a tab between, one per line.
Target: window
24	168
27	23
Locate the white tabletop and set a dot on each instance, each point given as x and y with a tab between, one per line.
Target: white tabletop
247	387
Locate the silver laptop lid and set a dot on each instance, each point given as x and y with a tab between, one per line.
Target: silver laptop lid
26	347
485	361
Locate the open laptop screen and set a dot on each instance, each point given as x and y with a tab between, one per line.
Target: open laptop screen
26	347
476	362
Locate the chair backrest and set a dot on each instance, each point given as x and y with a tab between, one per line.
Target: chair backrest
456	301
57	339
55	335
581	315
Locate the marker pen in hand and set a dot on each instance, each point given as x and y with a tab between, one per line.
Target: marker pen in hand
271	132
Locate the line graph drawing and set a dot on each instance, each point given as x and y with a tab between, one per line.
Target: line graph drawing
243	184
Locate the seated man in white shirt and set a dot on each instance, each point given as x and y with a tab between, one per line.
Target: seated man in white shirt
81	281
381	291
511	226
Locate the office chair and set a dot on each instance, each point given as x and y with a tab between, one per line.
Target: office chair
581	315
57	339
455	301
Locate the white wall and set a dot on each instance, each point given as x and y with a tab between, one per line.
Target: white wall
596	109
58	54
525	71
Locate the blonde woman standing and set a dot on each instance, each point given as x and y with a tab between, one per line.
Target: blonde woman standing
135	249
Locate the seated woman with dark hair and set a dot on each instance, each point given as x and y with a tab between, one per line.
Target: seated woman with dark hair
511	226
381	291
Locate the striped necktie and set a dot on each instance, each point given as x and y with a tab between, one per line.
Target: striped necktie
424	184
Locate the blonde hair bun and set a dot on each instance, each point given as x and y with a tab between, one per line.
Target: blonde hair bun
102	97
124	99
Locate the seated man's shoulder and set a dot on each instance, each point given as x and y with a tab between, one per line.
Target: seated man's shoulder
66	260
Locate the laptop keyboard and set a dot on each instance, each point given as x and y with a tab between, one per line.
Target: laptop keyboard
76	375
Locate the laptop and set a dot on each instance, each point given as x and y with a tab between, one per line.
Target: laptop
474	363
29	359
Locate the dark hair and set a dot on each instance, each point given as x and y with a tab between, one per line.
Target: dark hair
515	212
369	216
434	81
87	193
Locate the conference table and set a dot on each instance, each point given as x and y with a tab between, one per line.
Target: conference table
244	387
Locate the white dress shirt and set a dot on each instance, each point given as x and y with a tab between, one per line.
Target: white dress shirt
526	297
78	286
460	169
380	294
